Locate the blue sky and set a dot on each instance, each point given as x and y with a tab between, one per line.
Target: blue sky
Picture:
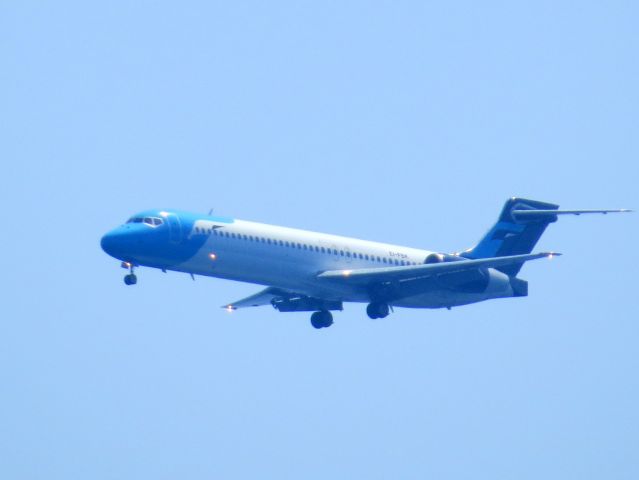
406	122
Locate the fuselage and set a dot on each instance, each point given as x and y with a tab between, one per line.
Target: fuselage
275	256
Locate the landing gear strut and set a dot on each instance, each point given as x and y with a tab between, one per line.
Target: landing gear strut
322	319
377	310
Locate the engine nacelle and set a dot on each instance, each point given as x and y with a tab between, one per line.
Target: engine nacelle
434	258
442	257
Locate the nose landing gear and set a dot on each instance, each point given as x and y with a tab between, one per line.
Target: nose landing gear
131	278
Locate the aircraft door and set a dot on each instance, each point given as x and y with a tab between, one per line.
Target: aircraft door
175	228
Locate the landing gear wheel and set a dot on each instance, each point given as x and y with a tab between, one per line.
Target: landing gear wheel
322	319
377	310
130	279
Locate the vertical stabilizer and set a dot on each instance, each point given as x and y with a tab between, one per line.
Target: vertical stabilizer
514	234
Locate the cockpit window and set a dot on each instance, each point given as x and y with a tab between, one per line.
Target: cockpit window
151	221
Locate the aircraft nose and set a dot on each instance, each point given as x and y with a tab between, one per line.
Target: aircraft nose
113	243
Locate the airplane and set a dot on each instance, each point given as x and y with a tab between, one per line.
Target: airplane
305	271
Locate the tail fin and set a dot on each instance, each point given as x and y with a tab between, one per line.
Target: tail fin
519	227
514	234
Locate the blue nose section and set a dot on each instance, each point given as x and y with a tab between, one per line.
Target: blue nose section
115	243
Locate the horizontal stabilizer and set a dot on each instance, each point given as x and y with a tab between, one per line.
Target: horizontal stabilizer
538	213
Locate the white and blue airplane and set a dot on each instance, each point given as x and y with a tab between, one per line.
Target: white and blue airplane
317	272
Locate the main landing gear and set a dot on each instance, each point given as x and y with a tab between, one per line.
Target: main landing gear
377	310
322	319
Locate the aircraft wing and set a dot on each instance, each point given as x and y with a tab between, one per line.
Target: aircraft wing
265	297
285	301
367	276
